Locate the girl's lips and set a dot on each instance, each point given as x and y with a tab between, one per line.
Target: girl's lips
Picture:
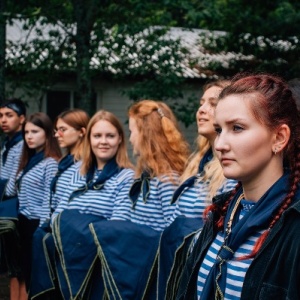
202	120
225	160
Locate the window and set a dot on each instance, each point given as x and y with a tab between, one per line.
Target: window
58	101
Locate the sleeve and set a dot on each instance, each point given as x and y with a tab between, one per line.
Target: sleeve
75	181
10	189
62	183
122	203
49	172
166	188
14	162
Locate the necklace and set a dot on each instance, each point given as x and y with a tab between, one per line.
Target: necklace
236	205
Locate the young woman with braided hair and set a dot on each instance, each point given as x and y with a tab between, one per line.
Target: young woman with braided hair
249	247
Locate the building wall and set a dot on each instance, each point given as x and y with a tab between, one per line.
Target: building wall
109	97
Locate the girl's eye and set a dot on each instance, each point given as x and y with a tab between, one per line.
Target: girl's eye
213	103
218	130
237	128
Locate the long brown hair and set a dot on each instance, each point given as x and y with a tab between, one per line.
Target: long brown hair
51	148
162	147
78	119
273	106
88	158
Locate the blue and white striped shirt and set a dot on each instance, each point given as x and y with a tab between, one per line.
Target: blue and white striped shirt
34	191
236	269
62	184
157	212
101	202
193	200
10	168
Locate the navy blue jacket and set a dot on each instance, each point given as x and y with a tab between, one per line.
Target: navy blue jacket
274	272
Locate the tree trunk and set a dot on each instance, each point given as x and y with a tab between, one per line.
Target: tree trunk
83	57
2	49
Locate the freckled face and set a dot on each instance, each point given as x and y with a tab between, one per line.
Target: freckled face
205	113
105	141
243	145
35	136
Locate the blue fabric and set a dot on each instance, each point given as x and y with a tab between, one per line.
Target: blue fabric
8	144
3	183
173	251
9	209
258	218
191	180
140	185
127	252
43	269
110	169
76	249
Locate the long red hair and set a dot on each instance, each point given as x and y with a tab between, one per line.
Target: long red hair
163	148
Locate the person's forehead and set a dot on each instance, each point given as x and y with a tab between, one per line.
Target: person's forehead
6	110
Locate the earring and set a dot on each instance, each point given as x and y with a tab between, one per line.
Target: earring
275	151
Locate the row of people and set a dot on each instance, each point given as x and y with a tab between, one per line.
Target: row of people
166	144
108	230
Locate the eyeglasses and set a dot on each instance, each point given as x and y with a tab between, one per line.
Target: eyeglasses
60	130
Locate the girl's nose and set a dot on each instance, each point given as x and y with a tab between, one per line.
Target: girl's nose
220	142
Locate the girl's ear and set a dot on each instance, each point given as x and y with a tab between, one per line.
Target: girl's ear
22	119
83	132
282	137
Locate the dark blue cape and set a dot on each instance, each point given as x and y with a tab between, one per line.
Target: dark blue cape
43	272
76	250
127	252
174	249
3	183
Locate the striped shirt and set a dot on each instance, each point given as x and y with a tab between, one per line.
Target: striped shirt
34	191
157	212
10	168
62	183
193	200
236	269
97	202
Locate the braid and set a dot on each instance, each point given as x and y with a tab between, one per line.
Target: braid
221	211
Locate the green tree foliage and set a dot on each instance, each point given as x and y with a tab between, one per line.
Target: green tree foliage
86	36
121	40
266	32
